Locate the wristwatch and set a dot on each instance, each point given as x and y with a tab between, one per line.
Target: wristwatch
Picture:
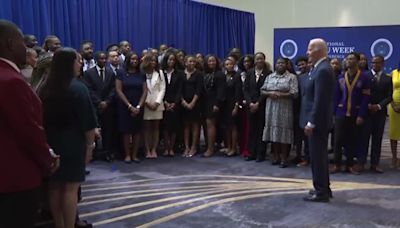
138	106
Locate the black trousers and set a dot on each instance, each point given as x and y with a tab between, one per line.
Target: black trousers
374	129
318	143
301	137
256	146
346	132
109	135
18	209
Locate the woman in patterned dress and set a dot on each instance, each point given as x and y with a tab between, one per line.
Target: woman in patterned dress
280	88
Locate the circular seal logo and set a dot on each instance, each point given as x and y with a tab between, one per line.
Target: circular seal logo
382	47
288	49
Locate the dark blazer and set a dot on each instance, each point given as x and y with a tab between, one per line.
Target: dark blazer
381	91
99	90
233	91
173	90
301	79
192	86
317	97
251	88
108	65
25	156
214	90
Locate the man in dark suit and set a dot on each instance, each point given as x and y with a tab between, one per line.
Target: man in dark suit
302	78
256	104
25	155
381	96
124	48
86	50
316	117
100	81
113	61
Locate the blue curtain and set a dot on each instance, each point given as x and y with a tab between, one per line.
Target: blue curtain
193	26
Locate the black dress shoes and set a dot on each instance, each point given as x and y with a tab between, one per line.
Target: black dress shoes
283	165
312	192
316	198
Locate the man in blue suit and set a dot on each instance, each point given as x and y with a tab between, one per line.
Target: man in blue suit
316	117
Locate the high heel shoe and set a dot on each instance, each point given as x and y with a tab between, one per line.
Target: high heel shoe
128	161
275	162
186	153
231	154
136	160
154	155
283	165
207	154
191	154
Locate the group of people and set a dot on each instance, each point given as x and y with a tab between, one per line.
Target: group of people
116	96
45	136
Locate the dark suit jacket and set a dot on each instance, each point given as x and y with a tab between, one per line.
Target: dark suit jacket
317	97
381	91
24	152
214	93
173	90
301	79
99	90
108	65
252	89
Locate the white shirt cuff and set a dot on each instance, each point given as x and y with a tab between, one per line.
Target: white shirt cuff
51	151
310	125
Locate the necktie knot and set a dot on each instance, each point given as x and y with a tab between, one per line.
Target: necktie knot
377	77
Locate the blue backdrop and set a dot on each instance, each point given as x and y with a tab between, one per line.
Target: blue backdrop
371	40
193	26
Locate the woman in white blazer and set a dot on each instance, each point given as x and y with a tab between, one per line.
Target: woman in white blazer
153	109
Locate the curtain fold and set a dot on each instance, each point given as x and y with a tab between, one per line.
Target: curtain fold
193	26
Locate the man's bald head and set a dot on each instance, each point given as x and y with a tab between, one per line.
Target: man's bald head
12	46
317	49
7	28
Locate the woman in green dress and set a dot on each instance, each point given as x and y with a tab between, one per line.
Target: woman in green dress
69	121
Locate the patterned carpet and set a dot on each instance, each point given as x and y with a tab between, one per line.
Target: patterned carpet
229	192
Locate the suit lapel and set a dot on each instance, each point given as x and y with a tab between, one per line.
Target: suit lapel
314	70
149	82
254	77
173	78
97	77
107	74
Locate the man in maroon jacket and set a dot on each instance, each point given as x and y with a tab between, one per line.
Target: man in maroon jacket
25	155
